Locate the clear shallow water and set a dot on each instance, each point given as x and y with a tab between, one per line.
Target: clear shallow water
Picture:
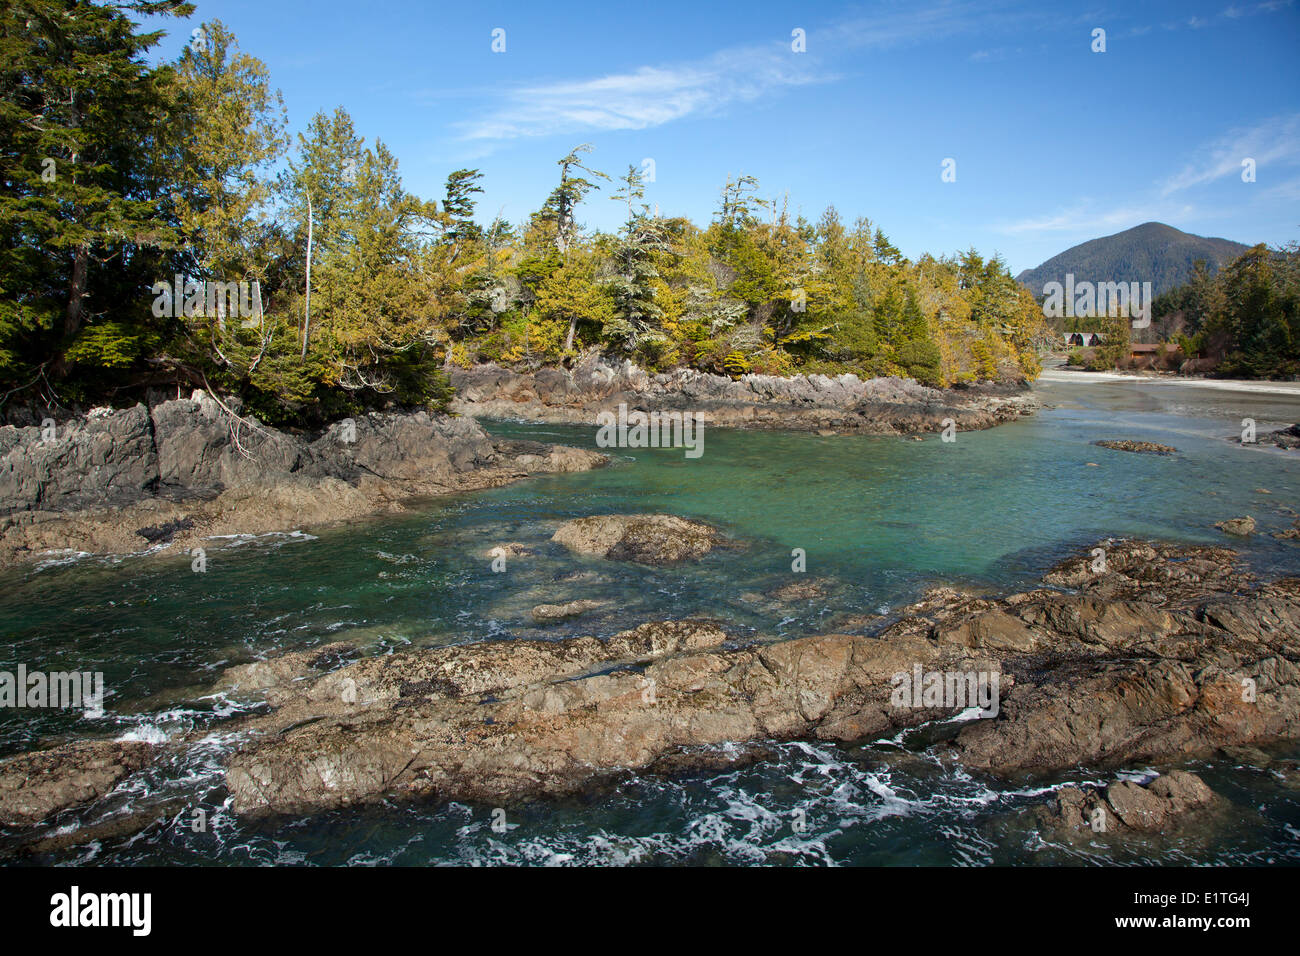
879	518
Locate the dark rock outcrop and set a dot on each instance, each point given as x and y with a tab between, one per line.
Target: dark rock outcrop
190	469
107	456
1288	437
807	402
199	448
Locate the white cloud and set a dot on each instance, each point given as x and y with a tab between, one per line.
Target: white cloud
648	96
1228	13
1274	141
654	95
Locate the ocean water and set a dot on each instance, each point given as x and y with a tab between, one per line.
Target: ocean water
879	519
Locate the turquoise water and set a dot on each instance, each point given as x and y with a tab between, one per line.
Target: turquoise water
879	519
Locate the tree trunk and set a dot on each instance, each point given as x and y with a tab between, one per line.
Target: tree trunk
573	327
306	321
73	314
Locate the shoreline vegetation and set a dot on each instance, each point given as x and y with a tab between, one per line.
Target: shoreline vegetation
1239	322
192	271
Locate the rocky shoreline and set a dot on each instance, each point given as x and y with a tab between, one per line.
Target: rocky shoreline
183	472
1166	654
881	406
1157	655
169	477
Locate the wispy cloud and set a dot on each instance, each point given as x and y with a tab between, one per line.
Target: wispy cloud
1087	216
1274	141
1228	13
652	95
1288	190
648	96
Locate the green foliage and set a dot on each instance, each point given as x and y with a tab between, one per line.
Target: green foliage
458	207
1247	316
1259	314
736	363
82	118
106	345
640	248
366	293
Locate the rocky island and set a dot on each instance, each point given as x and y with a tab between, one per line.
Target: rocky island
843	403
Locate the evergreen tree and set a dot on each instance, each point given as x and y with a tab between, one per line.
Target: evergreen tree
636	314
458	208
84	213
376	336
232	132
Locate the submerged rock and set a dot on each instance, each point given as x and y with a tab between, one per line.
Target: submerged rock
1251	756
510	549
654	539
1145	447
1238	526
1127	806
546	613
851	623
800	591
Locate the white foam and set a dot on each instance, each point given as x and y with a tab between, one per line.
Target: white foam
148	734
68	556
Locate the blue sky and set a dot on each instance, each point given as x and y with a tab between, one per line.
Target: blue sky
1054	144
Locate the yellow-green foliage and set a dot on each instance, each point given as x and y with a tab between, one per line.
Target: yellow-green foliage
402	286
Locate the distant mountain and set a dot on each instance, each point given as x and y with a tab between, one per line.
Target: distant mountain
1151	252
